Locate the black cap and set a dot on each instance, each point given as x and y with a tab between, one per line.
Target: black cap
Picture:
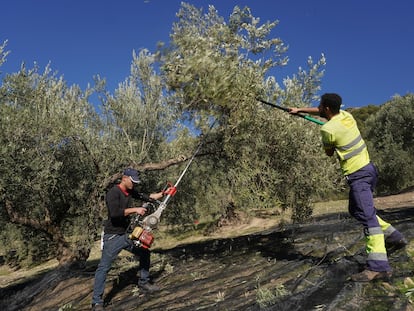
133	174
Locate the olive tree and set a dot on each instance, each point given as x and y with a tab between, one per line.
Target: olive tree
216	70
391	142
47	131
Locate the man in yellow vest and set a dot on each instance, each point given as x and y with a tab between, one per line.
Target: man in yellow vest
341	135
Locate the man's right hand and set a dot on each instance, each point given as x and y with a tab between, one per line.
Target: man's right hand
135	210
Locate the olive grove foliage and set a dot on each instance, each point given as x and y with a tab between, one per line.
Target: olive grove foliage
391	143
47	133
142	126
217	70
3	53
362	114
137	117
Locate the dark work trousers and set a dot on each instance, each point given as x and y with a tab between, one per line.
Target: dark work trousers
361	207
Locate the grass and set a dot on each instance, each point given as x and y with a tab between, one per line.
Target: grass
323	208
266	297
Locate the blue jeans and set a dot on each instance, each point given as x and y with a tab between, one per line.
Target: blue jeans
113	244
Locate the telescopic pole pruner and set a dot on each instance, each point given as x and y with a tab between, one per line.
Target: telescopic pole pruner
151	221
288	110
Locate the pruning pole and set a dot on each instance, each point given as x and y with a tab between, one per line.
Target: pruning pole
151	221
306	117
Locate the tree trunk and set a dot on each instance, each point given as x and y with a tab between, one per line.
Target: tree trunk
65	253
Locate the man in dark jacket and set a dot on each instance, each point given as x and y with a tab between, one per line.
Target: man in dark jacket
119	201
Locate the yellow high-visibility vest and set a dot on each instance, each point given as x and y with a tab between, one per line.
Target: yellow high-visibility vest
342	133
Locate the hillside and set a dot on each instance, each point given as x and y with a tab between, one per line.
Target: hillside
292	267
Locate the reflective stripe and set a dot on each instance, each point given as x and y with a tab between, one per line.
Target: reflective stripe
351	144
373	231
355	152
389	231
377	256
386	227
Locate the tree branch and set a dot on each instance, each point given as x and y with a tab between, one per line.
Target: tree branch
153	166
18	219
46	226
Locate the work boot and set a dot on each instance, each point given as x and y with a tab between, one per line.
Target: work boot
148	287
97	307
369	275
394	246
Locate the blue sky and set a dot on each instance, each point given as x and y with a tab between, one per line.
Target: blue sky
369	45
